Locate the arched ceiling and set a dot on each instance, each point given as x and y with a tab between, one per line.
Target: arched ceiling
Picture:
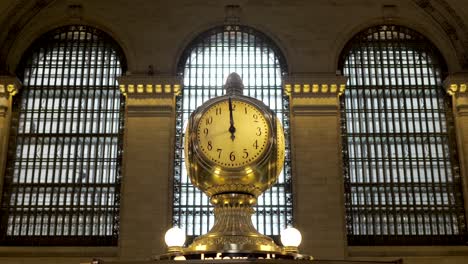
14	16
451	15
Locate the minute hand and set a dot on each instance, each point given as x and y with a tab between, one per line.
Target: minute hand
232	129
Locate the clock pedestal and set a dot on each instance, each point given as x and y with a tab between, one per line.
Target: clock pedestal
233	230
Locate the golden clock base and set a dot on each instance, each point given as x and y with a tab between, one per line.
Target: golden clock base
233	230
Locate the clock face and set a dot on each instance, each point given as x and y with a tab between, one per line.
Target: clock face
233	133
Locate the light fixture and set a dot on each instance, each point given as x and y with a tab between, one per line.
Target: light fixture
175	239
291	238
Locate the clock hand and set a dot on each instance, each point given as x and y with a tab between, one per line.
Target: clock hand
232	129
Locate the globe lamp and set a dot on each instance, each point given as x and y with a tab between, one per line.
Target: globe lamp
175	239
291	239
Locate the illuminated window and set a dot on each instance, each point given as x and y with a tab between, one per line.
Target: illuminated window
402	177
205	65
62	179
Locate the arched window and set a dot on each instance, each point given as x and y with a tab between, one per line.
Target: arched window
205	65
401	170
62	180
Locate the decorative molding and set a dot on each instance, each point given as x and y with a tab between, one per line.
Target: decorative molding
314	94
456	85
9	86
150	86
314	90
315	85
456	89
150	95
149	90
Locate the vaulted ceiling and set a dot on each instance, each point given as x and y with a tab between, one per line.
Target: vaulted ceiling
450	15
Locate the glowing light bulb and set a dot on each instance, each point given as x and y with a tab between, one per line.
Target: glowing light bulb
175	237
291	237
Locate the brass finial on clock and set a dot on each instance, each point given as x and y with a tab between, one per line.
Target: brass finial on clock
234	152
234	85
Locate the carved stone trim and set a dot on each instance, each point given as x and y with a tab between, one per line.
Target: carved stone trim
456	84
149	90
314	90
150	95
150	86
9	86
315	85
315	94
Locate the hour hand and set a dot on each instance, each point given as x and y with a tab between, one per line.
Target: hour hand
232	129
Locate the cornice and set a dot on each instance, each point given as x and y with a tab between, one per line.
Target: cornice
150	95
314	85
150	86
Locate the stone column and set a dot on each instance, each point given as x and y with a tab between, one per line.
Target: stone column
319	211
9	86
147	163
456	85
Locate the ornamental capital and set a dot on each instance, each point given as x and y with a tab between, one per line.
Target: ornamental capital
456	84
9	86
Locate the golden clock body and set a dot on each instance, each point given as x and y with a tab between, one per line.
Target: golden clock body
234	151
247	161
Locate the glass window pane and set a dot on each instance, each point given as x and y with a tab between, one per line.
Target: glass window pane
400	166
205	66
63	172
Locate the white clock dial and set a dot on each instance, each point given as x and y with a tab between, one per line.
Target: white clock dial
236	145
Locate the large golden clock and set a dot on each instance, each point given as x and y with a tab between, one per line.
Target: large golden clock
233	133
234	151
234	144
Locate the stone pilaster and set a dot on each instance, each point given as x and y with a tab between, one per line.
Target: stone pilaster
9	86
456	85
148	154
316	152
